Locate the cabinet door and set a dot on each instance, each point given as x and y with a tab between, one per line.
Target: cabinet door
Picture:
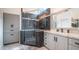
73	47
61	43
11	28
73	44
51	42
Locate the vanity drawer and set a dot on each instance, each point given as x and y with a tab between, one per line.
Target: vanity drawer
46	35
74	42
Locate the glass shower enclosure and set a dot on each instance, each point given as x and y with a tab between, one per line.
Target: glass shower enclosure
30	33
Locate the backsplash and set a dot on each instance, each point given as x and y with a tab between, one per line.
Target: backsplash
67	30
72	30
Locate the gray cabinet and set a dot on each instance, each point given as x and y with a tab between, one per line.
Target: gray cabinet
54	42
11	28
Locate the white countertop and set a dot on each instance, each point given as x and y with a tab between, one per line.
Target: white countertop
73	35
69	35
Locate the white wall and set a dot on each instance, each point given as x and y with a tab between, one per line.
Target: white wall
12	10
29	9
1	27
74	13
55	10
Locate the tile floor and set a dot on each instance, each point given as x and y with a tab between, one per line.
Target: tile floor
18	46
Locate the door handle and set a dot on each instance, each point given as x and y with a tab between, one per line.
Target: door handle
11	34
56	39
76	43
11	30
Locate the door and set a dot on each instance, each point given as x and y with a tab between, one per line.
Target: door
11	28
30	38
61	43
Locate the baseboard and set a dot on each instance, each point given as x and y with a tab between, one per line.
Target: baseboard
46	47
12	43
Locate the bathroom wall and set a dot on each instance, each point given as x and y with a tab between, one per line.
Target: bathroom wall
72	30
1	27
12	10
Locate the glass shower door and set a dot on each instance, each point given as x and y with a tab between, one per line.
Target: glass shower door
30	38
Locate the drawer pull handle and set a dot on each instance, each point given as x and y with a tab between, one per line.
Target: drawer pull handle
76	43
11	34
45	38
56	39
11	30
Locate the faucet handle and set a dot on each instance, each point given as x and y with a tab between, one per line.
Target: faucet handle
68	31
61	29
57	30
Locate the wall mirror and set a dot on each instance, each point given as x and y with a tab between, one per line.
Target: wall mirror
67	18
